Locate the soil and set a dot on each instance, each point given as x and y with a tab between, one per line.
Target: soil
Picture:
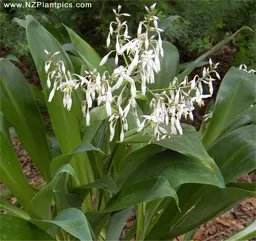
216	230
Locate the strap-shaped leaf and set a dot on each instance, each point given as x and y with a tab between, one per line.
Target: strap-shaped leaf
169	67
60	161
247	233
85	51
74	222
43	199
188	144
11	172
176	168
105	182
19	107
235	152
117	223
64	122
236	94
4	204
195	63
145	191
198	204
243	119
14	228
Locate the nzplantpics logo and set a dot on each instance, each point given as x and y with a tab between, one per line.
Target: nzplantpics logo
41	4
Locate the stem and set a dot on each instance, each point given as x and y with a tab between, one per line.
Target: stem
107	172
125	60
149	90
140	216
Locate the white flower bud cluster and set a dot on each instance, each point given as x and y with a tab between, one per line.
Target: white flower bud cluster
118	90
245	68
170	106
62	80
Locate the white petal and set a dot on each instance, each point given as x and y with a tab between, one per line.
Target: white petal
105	58
108	108
178	126
210	87
116	59
48	81
122	135
69	102
112	131
88	117
108	40
153	6
51	94
125	14
47	66
118	83
139	29
63	69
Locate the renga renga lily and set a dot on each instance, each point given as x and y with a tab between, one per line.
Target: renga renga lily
137	62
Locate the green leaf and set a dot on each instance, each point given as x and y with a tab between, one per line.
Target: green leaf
65	123
99	113
188	144
21	22
176	168
195	63
235	153
12	58
105	182
39	39
144	191
117	223
169	65
235	95
11	172
97	220
19	107
43	199
247	233
74	222
165	23
14	228
189	235
198	204
247	117
38	95
4	204
134	160
91	131
85	51
59	161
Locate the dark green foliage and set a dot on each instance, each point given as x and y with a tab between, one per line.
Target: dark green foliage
209	21
203	23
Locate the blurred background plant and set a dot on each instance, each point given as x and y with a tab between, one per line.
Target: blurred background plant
202	24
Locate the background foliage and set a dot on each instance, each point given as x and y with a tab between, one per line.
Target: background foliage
203	24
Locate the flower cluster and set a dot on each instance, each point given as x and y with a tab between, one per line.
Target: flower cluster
170	106
137	61
62	80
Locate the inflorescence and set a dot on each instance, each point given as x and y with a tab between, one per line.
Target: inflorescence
118	90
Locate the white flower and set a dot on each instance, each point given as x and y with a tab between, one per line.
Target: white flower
244	68
118	90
